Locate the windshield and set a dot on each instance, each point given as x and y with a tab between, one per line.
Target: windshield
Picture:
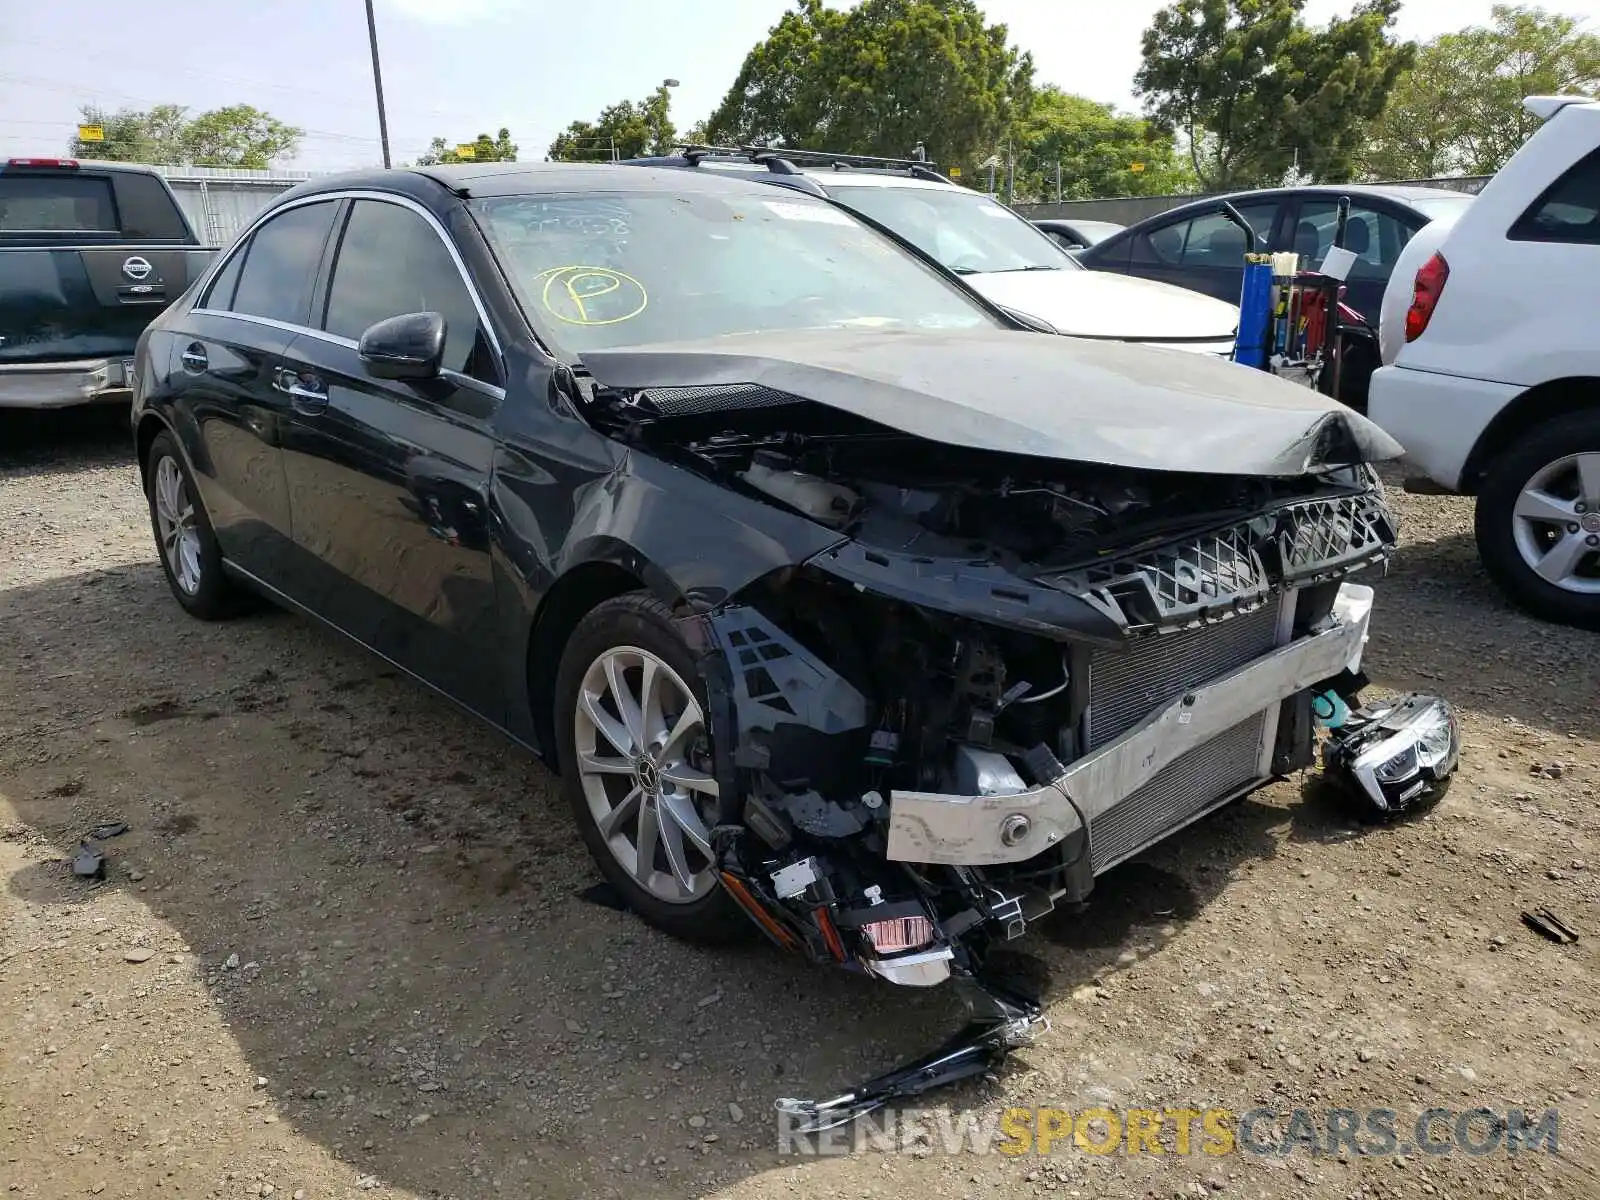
1447	204
965	230
613	269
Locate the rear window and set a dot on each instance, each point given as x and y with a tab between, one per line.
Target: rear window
1569	210
148	210
56	204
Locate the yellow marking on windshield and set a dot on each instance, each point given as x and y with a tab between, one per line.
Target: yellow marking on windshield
572	294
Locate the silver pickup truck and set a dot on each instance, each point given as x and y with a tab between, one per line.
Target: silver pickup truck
90	253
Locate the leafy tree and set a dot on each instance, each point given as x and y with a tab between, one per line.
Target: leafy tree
878	79
1255	92
626	130
1101	152
484	149
1460	108
236	136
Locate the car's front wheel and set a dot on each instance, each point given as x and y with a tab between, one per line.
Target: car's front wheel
1538	521
636	767
185	542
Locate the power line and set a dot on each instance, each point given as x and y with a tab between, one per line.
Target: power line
236	80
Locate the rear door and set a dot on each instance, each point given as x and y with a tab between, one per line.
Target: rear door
388	479
1375	234
230	350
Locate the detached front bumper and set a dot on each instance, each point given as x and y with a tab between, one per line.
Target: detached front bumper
66	384
980	831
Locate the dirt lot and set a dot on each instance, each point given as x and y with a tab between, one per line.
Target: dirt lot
343	949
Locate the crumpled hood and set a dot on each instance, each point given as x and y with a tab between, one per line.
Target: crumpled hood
1029	393
1102	305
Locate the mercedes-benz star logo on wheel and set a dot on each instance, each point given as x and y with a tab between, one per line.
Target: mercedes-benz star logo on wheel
137	268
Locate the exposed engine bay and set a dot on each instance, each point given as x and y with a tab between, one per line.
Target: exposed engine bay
1007	676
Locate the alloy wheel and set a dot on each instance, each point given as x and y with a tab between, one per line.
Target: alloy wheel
640	737
1556	523
177	525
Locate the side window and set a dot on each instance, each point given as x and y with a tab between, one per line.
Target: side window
1375	238
1215	241
1208	240
219	295
1569	210
1161	247
281	262
391	262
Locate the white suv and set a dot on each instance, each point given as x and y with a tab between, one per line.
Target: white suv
1495	391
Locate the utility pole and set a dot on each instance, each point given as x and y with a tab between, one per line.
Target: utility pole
1011	173
1058	181
377	83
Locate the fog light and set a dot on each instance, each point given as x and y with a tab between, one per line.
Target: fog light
1396	755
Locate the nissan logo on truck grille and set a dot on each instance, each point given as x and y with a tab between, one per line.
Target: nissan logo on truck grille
136	268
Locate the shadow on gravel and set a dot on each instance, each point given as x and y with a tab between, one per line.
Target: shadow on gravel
63	441
406	900
417	971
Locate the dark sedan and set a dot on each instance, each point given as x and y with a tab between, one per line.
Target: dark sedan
1197	247
849	610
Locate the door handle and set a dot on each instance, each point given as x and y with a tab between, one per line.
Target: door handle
306	395
194	358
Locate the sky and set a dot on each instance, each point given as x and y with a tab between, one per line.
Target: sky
455	68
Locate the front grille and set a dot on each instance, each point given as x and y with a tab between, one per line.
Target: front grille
1180	792
1192	581
1127	684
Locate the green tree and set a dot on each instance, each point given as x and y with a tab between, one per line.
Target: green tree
499	148
878	79
1101	152
630	129
236	136
1459	110
1255	92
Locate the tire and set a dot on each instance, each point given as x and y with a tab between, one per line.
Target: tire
675	887
1507	540
190	557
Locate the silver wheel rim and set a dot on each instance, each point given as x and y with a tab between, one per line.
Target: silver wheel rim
640	742
176	526
1556	523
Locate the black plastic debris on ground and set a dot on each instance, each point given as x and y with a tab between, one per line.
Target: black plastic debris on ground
1547	925
88	863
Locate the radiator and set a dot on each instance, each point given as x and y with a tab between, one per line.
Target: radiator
1189	786
1127	685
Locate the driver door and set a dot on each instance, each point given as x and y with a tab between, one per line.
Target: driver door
389	479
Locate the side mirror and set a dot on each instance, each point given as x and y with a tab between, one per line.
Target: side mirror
404	347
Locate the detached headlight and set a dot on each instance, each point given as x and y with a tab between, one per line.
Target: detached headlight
1396	755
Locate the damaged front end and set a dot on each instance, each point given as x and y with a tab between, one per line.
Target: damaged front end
1008	675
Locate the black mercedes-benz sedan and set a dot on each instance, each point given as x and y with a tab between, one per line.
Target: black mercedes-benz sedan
847	610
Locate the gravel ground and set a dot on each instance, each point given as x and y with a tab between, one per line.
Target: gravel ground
343	948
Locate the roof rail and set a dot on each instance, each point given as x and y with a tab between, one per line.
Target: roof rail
847	160
762	156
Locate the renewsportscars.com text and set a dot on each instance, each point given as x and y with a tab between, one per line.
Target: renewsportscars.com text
1019	1132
